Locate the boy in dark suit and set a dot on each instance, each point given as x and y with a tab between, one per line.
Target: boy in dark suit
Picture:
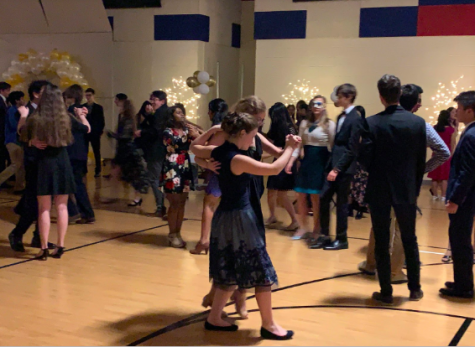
461	201
341	170
394	154
96	119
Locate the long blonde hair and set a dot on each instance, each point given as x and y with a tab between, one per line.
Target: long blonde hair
50	122
324	120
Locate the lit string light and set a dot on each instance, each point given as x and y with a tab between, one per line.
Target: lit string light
444	99
181	93
300	91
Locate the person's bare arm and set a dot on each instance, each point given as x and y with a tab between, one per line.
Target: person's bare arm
208	164
268	147
204	144
244	164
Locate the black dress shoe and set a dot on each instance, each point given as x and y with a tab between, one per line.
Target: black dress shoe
36	243
266	334
416	295
456	294
211	327
319	242
15	244
450	285
384	299
336	246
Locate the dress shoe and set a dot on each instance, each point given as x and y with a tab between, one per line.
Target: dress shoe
267	335
363	267
211	327
400	278
450	285
319	242
456	294
15	244
416	295
36	243
336	246
86	221
384	299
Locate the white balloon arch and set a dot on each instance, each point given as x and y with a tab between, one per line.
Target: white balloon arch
59	68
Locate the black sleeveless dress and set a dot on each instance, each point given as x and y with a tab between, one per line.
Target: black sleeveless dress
238	254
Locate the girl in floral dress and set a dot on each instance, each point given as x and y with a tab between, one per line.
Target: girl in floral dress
177	176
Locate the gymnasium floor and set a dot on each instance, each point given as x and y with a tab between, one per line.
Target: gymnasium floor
119	284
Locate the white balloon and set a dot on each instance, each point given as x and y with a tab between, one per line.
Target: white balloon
24	66
6	75
202	89
203	77
62	72
14	69
333	95
15	62
22	73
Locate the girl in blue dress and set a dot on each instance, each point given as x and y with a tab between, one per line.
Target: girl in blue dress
238	255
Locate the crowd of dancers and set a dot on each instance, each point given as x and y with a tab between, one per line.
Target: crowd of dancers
373	164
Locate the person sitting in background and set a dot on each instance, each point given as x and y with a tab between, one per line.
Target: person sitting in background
16	100
95	117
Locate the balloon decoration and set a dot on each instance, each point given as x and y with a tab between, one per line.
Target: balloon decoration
32	65
333	96
201	82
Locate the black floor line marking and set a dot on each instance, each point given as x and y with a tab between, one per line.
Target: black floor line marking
7	202
201	318
88	244
458	336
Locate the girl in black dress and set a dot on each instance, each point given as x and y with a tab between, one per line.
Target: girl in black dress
51	125
279	185
256	107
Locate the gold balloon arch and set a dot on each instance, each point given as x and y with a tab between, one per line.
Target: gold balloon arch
57	67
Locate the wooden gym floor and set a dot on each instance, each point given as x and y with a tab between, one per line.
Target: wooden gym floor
118	284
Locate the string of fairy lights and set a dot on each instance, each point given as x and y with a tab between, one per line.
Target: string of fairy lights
444	99
179	92
302	90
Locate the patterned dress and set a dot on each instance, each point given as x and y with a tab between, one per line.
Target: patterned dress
177	176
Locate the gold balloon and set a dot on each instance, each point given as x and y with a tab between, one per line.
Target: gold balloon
212	82
54	55
195	75
192	82
32	52
22	57
65	56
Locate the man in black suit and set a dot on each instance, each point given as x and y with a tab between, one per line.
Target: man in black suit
96	120
394	153
153	147
27	208
4	92
461	201
341	170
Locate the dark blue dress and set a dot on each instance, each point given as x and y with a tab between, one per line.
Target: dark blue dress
238	254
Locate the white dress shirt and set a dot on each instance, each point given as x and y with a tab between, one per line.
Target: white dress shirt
342	118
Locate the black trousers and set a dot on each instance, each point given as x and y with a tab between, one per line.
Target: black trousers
82	198
460	235
406	218
24	223
95	141
4	156
341	187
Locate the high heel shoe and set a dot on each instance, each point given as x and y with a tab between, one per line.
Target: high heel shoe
175	241
58	253
446	259
200	248
266	334
136	203
43	255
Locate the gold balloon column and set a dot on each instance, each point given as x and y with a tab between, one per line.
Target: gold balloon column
57	67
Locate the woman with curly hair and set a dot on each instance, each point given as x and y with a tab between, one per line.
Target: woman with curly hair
177	176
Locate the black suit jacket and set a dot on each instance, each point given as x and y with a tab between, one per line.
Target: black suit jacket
96	120
346	146
3	116
78	150
152	135
461	186
394	154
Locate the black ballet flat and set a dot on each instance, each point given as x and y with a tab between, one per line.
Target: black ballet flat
267	335
59	251
211	327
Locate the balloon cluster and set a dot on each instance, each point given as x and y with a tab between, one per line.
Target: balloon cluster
31	65
201	82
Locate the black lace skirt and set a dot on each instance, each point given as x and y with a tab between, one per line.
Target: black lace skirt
132	165
238	255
